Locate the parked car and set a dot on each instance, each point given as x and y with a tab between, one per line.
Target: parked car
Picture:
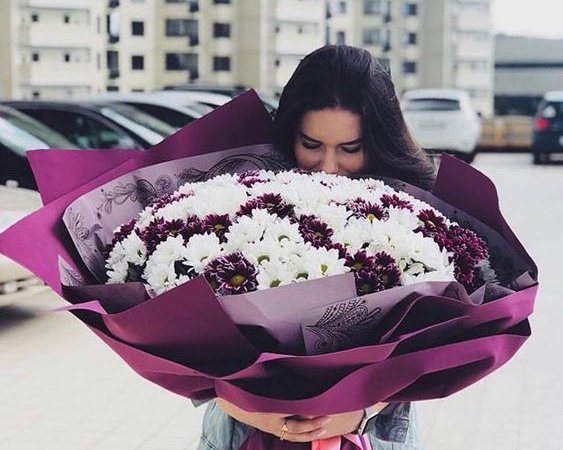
443	120
97	125
19	133
183	98
156	106
15	203
547	136
270	103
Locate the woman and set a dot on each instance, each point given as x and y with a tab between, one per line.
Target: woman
339	114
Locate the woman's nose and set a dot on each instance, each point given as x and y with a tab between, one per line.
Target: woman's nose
329	163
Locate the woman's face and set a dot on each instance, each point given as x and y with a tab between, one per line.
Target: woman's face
330	140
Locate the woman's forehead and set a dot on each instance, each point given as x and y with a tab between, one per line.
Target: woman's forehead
331	125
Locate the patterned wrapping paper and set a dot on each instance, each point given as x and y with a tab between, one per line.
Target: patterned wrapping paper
417	342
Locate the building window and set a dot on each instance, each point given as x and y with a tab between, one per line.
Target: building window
277	62
222	2
35	57
112	88
373	7
409	67
181	61
137	90
221	64
181	27
137	62
67	57
66	18
98	24
411	9
35	94
222	30
176	1
138	28
35	17
340	38
340	8
372	36
410	39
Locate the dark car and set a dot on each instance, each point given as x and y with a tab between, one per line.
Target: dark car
19	133
548	128
98	125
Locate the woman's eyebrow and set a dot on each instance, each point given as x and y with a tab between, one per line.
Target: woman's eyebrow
309	138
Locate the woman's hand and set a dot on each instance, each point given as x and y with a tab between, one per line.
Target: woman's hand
340	424
298	429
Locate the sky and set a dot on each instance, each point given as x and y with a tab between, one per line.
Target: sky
540	18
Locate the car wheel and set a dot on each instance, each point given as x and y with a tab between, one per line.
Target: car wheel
541	158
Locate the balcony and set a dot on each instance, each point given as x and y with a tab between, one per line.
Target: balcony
113	3
112	39
113	73
194	7
194	40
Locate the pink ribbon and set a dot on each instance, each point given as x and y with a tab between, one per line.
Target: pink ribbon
334	443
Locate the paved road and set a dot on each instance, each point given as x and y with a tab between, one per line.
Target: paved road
61	388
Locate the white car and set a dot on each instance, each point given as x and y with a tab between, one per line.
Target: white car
15	203
443	120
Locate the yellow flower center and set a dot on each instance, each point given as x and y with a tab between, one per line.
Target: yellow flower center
237	280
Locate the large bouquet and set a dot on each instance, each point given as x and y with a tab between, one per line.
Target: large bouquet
211	270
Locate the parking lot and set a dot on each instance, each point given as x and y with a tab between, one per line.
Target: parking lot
62	388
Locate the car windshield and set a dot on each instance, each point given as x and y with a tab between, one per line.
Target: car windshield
432	104
146	126
33	128
18	140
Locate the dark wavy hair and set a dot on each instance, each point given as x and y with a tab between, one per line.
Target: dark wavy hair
341	76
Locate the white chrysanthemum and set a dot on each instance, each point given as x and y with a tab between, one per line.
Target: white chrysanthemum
335	216
116	256
403	217
118	272
273	274
283	231
263	218
292	249
261	252
446	274
178	209
160	276
201	249
321	262
212	199
135	249
145	217
243	231
169	251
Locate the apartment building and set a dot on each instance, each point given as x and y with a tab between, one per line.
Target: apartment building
51	48
426	43
71	47
155	43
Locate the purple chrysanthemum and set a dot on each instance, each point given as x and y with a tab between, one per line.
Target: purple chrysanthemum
315	231
433	223
360	261
273	203
341	248
249	178
395	201
218	224
468	250
363	209
231	274
152	235
374	273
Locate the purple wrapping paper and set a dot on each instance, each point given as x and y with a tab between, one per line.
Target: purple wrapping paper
432	343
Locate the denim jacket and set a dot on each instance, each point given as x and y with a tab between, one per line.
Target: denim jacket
394	428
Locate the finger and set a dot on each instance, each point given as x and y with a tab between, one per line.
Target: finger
306	426
305	437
